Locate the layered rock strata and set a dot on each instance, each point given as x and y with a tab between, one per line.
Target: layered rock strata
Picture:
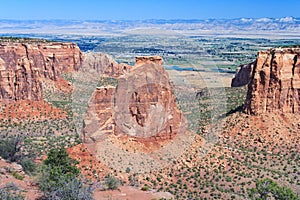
105	65
275	83
142	106
243	75
24	66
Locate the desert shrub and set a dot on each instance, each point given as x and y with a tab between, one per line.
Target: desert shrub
74	189
145	188
28	166
17	175
10	192
127	170
9	148
112	182
9	195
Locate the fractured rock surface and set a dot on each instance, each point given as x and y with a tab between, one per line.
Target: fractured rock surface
23	66
105	65
142	60
275	84
141	106
243	75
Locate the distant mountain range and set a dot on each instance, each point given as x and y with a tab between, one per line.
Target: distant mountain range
284	25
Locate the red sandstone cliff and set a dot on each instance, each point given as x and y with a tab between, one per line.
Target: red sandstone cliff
23	66
105	65
142	106
243	75
142	60
275	83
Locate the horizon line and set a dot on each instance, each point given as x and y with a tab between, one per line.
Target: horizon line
148	19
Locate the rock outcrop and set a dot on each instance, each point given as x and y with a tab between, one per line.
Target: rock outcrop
142	60
23	66
243	75
105	65
99	117
142	106
275	84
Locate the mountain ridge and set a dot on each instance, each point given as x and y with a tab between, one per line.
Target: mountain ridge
290	24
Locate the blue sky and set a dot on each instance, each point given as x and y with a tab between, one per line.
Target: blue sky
146	9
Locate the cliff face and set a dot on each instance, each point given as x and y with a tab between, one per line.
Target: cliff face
23	66
141	106
105	65
243	75
145	102
275	83
99	117
142	60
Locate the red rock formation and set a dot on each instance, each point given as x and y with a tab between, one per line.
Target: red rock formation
23	66
105	65
142	60
142	106
98	120
145	104
243	75
275	84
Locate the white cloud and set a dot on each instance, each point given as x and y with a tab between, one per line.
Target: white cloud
287	19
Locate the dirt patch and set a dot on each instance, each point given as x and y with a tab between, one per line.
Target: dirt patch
125	193
89	166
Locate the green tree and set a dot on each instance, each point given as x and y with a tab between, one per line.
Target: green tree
59	178
59	158
267	188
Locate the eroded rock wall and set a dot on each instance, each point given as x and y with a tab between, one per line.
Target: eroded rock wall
275	84
142	105
105	65
243	75
23	66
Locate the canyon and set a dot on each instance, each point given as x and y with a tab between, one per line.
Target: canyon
135	115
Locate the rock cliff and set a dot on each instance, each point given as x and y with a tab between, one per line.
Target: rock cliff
24	65
142	60
243	75
142	106
99	117
275	83
105	65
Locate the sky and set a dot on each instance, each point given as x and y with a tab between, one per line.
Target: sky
146	9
